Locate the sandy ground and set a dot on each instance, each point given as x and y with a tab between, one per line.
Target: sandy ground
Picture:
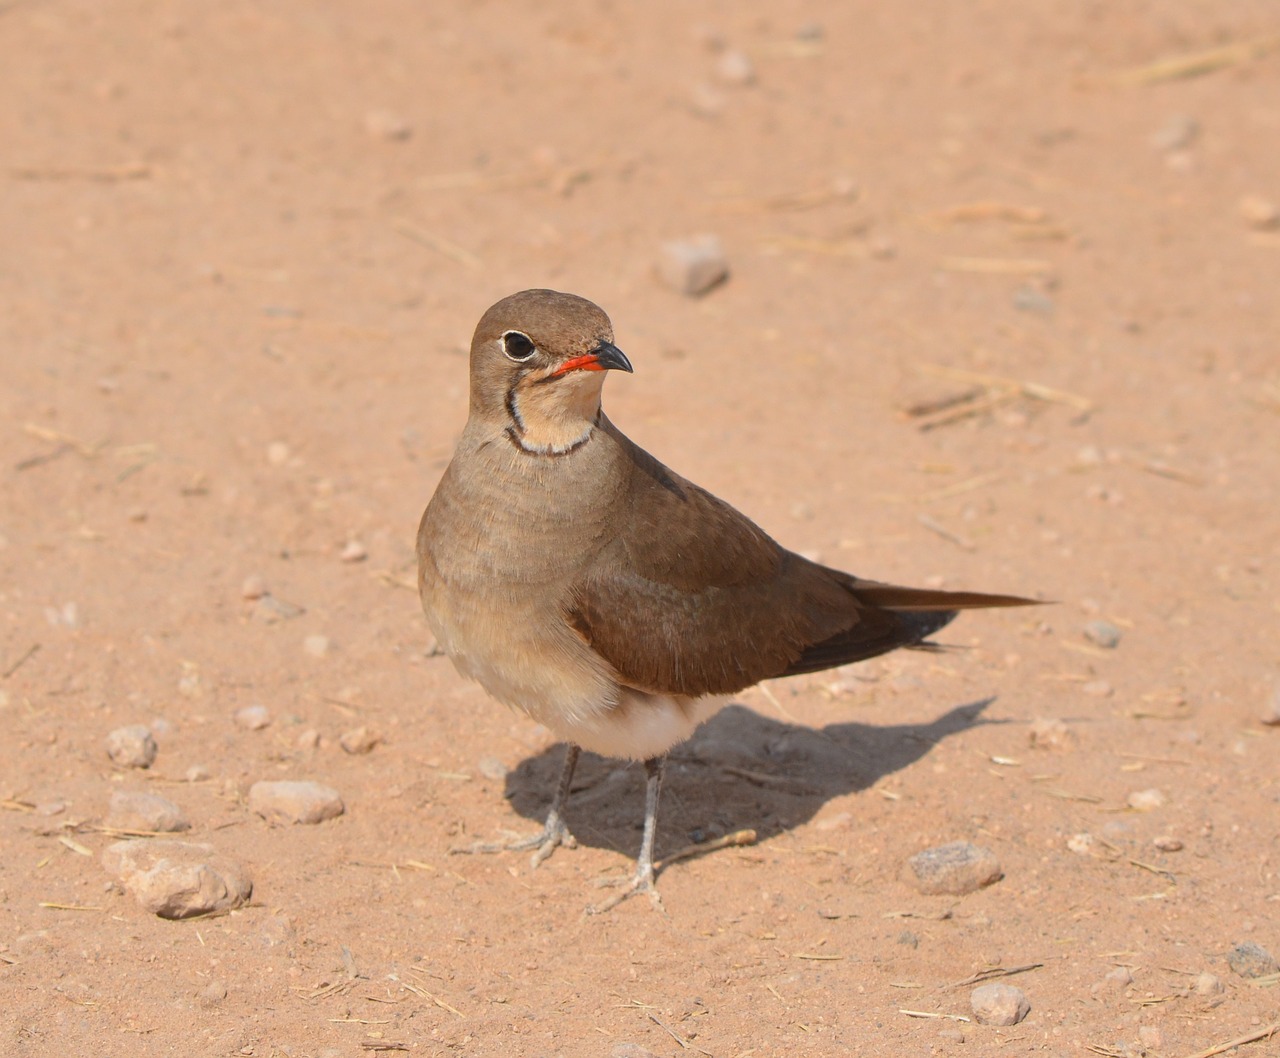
244	246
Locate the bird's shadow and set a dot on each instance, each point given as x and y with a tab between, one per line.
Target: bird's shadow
740	769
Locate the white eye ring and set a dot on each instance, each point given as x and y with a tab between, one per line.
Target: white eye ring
518	346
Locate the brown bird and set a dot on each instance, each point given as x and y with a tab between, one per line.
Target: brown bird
581	581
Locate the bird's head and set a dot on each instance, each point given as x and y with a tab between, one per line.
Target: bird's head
537	366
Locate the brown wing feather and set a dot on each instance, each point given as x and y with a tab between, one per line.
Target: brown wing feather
693	598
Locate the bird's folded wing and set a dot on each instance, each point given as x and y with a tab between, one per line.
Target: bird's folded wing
693	598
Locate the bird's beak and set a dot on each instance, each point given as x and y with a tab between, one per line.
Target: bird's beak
604	357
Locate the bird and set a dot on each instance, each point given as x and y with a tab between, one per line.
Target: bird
582	582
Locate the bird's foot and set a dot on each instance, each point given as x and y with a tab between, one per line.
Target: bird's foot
552	836
640	882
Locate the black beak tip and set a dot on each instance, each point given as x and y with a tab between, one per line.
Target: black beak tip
610	356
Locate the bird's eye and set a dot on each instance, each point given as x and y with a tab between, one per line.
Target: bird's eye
518	346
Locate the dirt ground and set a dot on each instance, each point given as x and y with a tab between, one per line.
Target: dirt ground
1002	315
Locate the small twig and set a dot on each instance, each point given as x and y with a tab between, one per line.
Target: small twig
685	1044
1166	875
1239	1041
926	1014
994	972
438	243
103	174
945	533
67	907
737	838
30	653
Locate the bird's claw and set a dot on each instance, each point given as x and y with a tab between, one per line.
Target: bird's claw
544	843
640	882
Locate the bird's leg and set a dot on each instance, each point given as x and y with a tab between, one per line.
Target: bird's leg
555	832
643	880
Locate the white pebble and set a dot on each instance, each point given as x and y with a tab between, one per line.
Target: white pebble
358	741
132	746
253	587
277	453
196	773
693	266
384	125
999	1004
1259	213
295	802
1081	844
252	717
317	646
354	551
736	68
1146	800
1167	843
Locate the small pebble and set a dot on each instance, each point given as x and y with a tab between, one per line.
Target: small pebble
1103	634
354	551
1047	733
1151	1037
1119	978
1176	134
358	740
309	739
212	994
630	1050
1098	689
958	868
132	746
177	879
131	810
1146	800
196	773
384	125
1081	844
253	587
693	266
1033	299
252	717
295	802
1208	984
317	646
1271	714
736	68
1252	960
492	768
999	1004
277	453
1167	843
1259	213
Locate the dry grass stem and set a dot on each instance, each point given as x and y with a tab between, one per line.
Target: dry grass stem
1196	64
1239	1041
439	243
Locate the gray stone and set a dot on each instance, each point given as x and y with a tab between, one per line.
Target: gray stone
1252	960
955	869
132	746
178	879
131	810
295	802
693	266
1103	634
999	1004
